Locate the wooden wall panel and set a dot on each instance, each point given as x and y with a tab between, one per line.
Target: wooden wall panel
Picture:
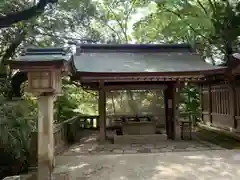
222	106
217	106
222	121
221	99
238	122
206	119
238	101
205	99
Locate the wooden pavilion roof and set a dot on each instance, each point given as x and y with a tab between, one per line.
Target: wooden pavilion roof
131	62
124	63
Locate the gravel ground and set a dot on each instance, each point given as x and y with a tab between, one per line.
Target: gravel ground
197	165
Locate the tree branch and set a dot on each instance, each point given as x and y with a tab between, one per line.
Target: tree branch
13	46
9	19
190	26
83	88
119	23
128	14
109	27
201	5
66	37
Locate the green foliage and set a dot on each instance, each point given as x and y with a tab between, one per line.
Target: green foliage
213	26
74	100
66	104
190	101
18	120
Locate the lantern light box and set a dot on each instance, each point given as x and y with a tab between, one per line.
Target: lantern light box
45	68
44	81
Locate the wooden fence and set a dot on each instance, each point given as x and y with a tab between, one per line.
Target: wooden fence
221	106
65	133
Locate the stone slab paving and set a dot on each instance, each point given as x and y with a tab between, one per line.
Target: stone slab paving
191	165
164	146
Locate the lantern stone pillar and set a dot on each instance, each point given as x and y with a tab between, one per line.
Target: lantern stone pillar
46	156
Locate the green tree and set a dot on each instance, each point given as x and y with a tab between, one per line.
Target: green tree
8	19
211	25
68	20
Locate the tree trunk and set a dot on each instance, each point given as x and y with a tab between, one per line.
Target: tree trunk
9	19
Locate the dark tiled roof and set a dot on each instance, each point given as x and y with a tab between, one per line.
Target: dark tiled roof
139	58
127	58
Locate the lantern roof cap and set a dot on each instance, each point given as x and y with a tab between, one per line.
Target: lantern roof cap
47	57
45	54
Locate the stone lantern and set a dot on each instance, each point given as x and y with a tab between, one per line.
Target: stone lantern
45	68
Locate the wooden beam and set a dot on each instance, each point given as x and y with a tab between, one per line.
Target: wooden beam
142	78
135	87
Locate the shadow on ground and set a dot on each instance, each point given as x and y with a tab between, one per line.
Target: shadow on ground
199	165
89	145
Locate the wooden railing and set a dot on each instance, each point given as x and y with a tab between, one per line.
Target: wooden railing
65	133
88	122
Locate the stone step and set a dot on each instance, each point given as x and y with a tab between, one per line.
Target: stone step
139	139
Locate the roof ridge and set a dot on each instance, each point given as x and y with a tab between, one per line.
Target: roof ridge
46	51
135	48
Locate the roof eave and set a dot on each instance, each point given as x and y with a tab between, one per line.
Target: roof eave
77	75
15	64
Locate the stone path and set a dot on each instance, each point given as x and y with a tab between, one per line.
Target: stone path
90	146
166	146
197	165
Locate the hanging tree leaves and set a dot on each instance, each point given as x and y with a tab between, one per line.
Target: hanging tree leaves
26	14
212	25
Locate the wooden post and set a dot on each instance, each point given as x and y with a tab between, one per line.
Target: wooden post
45	137
170	110
210	103
201	101
233	105
166	112
177	90
102	111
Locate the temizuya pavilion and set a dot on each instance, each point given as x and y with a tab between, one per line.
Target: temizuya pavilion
106	67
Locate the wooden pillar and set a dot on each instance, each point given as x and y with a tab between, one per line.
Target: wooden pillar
201	100
170	110
166	112
45	137
210	103
233	105
102	111
177	91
